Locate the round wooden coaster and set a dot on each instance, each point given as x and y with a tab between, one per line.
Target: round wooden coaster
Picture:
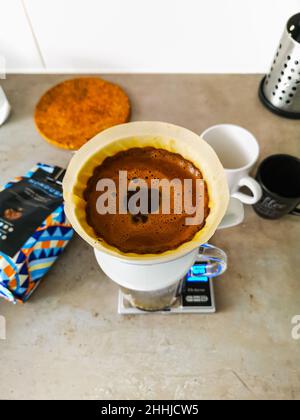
74	111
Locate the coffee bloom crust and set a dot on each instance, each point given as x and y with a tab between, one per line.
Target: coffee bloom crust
142	208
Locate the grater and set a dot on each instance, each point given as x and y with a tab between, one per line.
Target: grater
280	88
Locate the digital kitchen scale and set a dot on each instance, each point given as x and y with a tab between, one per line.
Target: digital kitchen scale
195	295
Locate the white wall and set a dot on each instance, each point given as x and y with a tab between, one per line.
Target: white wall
142	35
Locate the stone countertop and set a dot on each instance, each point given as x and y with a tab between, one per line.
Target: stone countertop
69	342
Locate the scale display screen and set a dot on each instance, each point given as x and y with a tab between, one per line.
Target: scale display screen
197	274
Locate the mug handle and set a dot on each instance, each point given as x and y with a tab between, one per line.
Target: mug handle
215	258
253	186
295	212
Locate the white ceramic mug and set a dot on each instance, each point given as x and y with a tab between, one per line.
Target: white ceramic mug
238	152
4	107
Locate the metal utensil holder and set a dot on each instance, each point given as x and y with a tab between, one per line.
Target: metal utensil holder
280	88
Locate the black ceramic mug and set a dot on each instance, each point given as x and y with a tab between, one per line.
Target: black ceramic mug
279	177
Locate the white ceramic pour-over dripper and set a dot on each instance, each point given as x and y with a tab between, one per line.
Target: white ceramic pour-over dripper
146	277
150	272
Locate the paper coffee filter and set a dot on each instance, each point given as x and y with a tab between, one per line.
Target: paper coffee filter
142	134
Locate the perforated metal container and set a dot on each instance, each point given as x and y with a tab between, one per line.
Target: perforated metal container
280	88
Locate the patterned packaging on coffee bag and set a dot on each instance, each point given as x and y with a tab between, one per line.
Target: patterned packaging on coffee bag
33	230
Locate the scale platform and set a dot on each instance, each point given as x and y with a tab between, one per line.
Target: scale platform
195	296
